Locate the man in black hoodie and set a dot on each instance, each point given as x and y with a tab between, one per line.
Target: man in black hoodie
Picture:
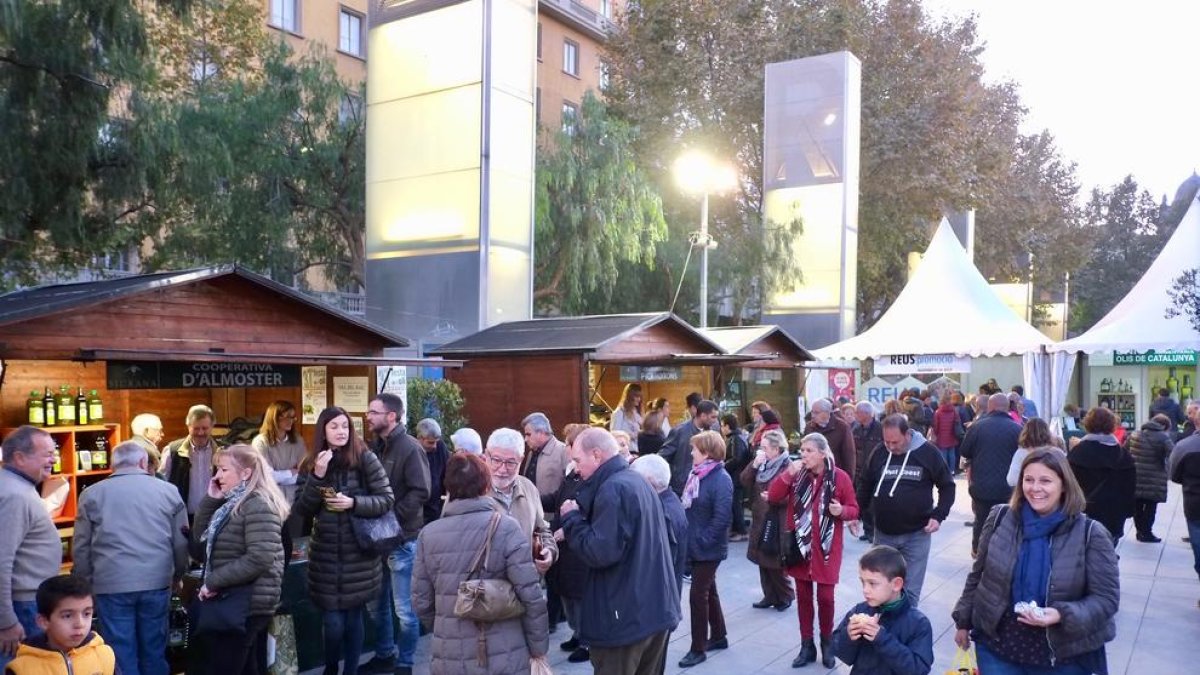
897	489
990	444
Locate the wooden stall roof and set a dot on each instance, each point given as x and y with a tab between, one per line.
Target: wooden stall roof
656	338
223	313
773	345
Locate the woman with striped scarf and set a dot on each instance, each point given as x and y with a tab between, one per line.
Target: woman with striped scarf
819	498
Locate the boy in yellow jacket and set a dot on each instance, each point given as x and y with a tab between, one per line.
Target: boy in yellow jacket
67	646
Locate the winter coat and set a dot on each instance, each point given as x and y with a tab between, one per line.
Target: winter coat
35	656
1151	447
677	450
841	441
709	516
759	507
620	532
407	470
1084	583
551	466
649	444
1165	405
340	574
1185	470
817	568
737	454
1108	477
568	574
945	421
445	550
903	646
990	444
248	550
677	534
866	439
901	502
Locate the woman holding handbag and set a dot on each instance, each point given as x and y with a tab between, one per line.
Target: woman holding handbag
1042	595
238	534
475	541
342	480
764	549
819	498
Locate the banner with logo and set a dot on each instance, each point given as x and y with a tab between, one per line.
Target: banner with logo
841	383
904	364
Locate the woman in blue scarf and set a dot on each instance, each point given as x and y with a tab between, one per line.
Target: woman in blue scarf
1044	589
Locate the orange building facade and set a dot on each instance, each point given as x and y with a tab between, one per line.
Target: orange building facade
571	35
341	27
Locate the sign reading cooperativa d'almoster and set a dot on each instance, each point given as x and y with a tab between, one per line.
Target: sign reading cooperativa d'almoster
199	375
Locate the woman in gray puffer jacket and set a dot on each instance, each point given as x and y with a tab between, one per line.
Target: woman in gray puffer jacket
342	479
1150	446
1041	548
445	550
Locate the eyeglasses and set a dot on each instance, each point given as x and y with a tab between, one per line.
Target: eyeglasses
506	463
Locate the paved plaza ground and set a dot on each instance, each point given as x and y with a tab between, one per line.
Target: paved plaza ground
1158	627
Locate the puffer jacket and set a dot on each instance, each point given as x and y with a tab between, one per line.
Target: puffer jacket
1084	582
709	516
1150	447
446	548
248	549
340	574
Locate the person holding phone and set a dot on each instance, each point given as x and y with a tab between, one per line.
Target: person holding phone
341	479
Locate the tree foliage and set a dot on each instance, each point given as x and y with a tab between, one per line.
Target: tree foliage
441	400
1185	294
595	213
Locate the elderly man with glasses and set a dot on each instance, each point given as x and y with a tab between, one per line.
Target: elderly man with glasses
518	495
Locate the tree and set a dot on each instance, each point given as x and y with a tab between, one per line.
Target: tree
441	400
1185	293
73	164
1122	226
595	213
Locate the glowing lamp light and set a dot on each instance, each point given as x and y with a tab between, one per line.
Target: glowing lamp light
830	119
696	173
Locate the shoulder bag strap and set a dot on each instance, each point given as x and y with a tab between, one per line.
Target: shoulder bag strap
485	550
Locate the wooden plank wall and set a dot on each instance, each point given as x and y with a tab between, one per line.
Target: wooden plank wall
664	338
500	391
694	378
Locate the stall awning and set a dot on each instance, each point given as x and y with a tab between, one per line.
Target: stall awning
680	360
288	359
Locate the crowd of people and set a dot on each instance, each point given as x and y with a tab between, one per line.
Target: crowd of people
491	545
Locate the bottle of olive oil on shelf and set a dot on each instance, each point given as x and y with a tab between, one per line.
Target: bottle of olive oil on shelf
95	408
35	412
1173	383
50	408
100	454
81	408
66	406
57	459
83	458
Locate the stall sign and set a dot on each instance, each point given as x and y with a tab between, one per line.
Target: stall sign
1185	357
841	383
651	373
903	364
199	375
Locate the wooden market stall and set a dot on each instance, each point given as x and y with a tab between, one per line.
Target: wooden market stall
773	373
574	368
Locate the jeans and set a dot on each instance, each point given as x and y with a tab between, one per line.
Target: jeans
343	638
1194	534
991	664
401	564
135	626
381	612
26	611
914	546
951	457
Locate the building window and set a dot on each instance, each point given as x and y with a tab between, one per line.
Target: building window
570	117
604	76
285	14
571	58
539	41
350	33
606	8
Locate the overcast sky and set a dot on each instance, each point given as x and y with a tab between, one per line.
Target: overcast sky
1114	82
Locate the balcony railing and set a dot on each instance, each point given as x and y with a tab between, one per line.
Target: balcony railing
582	16
350	303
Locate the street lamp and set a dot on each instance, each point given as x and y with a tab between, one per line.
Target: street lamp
697	173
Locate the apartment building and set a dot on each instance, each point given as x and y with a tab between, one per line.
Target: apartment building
341	26
570	39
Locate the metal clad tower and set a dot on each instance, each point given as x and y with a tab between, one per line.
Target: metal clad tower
810	165
450	164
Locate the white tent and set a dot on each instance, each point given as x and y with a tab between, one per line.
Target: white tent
1139	321
946	308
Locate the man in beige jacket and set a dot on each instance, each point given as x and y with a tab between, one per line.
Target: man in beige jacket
518	495
545	462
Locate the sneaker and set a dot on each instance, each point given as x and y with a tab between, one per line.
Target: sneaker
378	664
580	655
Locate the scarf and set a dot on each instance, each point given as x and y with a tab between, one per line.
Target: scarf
1031	575
772	467
804	492
1106	439
691	489
232	499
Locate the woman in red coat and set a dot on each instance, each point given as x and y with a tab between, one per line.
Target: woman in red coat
819	498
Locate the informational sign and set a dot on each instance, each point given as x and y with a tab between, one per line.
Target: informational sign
1185	357
651	373
199	375
904	364
313	393
878	390
841	383
394	380
351	393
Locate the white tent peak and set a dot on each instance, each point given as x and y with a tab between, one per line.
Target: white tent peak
946	308
1139	321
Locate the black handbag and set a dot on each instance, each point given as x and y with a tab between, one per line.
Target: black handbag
768	540
224	613
379	535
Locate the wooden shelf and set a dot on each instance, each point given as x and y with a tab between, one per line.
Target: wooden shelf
97	472
64	519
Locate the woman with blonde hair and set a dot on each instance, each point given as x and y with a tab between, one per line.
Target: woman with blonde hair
627	416
708	501
819	498
237	534
280	442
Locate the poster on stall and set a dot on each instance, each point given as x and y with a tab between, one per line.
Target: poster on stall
841	383
313	392
394	380
352	393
